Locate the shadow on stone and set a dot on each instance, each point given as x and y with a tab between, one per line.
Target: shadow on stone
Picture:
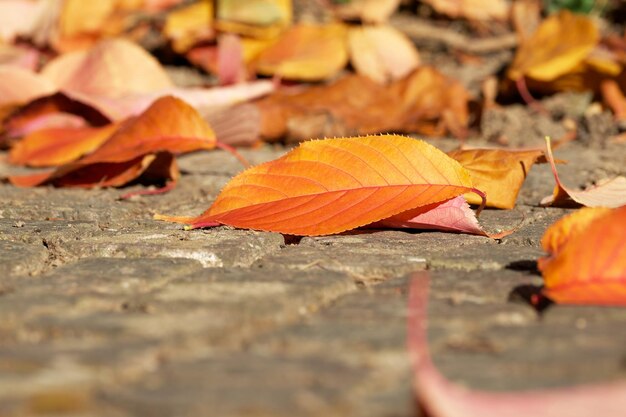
524	265
530	294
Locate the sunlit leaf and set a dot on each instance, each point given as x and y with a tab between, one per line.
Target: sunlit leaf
499	173
332	185
587	261
561	42
306	52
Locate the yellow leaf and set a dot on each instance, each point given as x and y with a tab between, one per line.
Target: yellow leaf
306	52
558	46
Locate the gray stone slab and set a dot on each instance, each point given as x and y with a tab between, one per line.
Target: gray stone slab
21	259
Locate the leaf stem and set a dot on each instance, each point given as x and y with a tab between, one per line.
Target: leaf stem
167	187
200	225
528	98
234	152
483	203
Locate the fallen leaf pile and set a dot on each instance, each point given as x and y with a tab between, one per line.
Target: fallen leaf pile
108	93
142	145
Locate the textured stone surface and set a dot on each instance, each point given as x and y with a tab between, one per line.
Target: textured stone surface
106	312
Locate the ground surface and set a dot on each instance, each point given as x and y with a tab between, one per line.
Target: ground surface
106	312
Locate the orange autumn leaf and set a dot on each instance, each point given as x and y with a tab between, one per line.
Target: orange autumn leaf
432	103
381	53
333	185
614	98
306	52
586	262
353	105
499	173
58	146
111	68
144	143
610	192
559	45
559	233
425	102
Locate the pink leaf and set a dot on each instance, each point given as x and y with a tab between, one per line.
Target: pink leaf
442	398
19	85
117	108
231	68
111	68
453	215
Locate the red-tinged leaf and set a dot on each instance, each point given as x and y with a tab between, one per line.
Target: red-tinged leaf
231	68
607	193
19	85
333	185
28	117
453	215
499	173
169	126
587	262
111	68
58	146
442	398
46	121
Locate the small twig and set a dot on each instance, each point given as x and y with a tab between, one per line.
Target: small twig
167	187
420	30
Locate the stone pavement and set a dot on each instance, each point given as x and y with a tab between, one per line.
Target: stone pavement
106	312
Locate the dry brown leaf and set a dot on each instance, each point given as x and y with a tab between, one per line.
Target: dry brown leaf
425	102
306	52
381	52
432	103
351	106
